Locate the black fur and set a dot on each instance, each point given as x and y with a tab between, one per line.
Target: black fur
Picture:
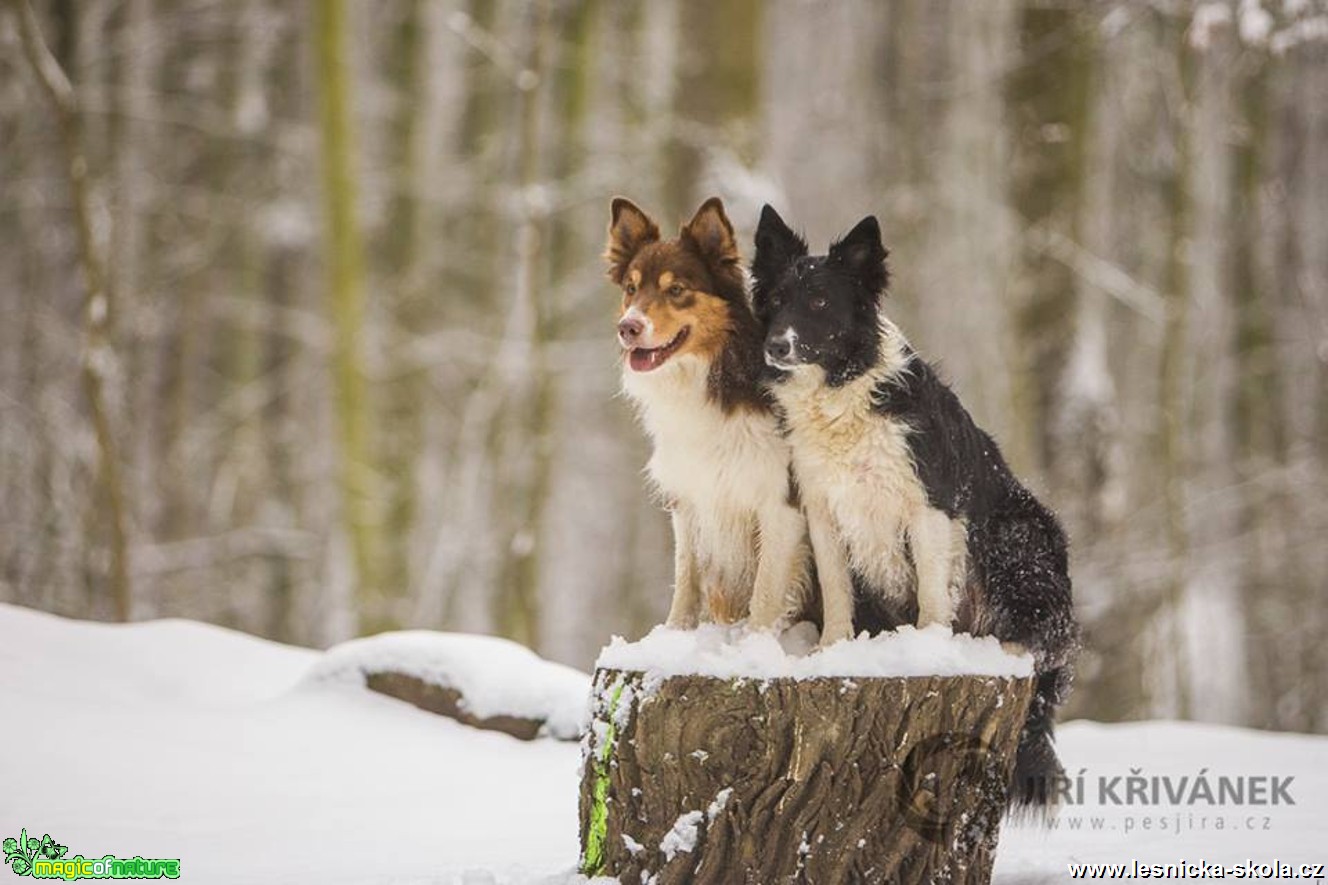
849	280
1019	584
735	375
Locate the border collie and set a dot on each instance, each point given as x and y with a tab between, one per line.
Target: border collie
903	493
692	364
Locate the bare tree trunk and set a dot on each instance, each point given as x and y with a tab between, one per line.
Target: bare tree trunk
343	254
401	435
1213	614
1261	438
1091	469
99	362
1171	406
975	326
455	584
523	432
1292	619
1050	102
138	47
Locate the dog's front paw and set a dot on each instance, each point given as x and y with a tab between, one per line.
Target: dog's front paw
776	627
681	622
928	617
767	619
835	633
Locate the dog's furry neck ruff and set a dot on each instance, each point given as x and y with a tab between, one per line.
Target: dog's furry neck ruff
854	389
692	381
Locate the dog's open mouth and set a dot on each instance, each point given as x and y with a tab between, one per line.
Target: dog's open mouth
647	359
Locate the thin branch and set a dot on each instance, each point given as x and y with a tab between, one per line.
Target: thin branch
496	51
211	552
98	363
1098	271
50	75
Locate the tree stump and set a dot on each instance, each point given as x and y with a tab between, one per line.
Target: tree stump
823	780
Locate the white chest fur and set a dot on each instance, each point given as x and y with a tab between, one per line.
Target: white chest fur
700	453
725	469
860	466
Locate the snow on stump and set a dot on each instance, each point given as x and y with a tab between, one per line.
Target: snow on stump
718	757
481	681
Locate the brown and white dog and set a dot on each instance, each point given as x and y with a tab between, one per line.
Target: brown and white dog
692	364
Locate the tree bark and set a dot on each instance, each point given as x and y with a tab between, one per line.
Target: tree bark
523	425
1051	107
400	437
1173	458
346	300
700	779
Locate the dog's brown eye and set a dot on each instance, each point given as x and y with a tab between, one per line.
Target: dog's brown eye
818	303
675	290
631	288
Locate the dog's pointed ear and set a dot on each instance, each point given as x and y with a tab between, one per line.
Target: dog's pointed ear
629	230
711	232
777	246
862	253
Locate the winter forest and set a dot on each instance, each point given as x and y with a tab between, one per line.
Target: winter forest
304	329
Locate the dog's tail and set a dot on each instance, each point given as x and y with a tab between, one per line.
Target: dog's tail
1037	771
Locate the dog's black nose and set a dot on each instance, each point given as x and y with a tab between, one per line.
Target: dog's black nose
630	329
780	348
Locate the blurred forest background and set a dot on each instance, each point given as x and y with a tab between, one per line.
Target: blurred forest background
303	328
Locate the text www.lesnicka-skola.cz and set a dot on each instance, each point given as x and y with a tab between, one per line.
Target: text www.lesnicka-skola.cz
1198	869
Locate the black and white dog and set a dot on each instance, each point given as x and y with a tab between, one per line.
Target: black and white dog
903	493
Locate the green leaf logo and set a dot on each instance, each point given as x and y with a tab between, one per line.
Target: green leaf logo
21	854
50	850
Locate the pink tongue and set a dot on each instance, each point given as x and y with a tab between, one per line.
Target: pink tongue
644	360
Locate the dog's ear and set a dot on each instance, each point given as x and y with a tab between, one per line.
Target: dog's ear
711	233
629	230
777	246
861	252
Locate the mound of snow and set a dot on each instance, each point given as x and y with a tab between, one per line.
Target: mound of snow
180	739
496	677
729	652
181	660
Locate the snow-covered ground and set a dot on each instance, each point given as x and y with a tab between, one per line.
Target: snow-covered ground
175	739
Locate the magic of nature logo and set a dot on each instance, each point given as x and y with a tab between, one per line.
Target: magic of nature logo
44	858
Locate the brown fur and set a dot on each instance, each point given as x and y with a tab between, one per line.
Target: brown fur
629	230
724	608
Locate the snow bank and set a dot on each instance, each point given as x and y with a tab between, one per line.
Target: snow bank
151	661
496	677
179	739
734	652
